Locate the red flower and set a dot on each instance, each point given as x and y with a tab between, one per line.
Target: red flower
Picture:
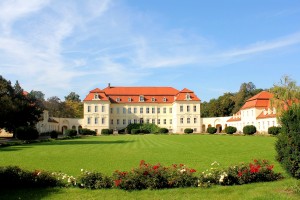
174	165
270	167
145	173
192	170
155	167
117	182
181	165
240	174
256	161
254	168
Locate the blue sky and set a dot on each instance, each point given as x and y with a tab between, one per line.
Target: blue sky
210	47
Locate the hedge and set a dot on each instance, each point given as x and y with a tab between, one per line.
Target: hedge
211	130
188	130
249	130
27	133
230	130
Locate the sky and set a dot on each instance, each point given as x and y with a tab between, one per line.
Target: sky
208	46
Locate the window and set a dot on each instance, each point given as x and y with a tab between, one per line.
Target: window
118	99
170	121
135	121
96	120
134	110
129	110
124	121
96	96
164	99
187	96
141	110
188	108
96	108
188	120
181	120
195	120
129	99
124	110
103	109
118	110
89	108
164	110
153	110
170	110
118	121
158	121
152	99
147	110
153	121
158	110
181	108
141	99
111	121
89	120
129	121
195	108
148	121
165	121
195	130
111	110
103	120
252	112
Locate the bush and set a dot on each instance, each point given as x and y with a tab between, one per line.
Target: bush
155	177
27	133
188	130
249	130
135	131
86	131
15	177
121	131
274	130
163	130
71	132
94	180
106	131
230	130
288	143
54	134
211	130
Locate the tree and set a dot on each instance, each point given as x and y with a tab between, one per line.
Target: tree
17	108
73	97
286	92
38	95
54	106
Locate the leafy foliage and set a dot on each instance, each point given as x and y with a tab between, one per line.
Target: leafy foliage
71	132
288	143
188	130
106	131
135	131
230	129
249	130
86	131
163	130
27	133
143	128
211	130
274	130
94	180
54	134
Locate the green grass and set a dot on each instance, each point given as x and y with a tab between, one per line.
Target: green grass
109	153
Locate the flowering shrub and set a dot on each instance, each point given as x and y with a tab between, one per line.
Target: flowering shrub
155	177
15	177
94	180
257	171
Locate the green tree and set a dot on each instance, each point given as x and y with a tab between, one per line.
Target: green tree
17	108
286	92
73	97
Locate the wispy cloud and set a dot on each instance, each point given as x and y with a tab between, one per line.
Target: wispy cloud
58	47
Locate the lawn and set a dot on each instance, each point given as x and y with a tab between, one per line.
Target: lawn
109	153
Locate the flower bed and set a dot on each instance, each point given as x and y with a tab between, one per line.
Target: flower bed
145	176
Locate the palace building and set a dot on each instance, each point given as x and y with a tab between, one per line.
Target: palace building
116	107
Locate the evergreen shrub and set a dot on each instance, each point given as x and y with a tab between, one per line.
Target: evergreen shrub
274	130
249	130
106	131
27	133
188	130
86	131
230	130
163	130
211	130
71	132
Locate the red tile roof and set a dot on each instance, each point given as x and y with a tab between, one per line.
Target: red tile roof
123	94
234	119
263	116
261	100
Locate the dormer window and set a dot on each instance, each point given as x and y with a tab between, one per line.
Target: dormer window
96	96
153	99
141	98
118	99
187	96
129	99
164	99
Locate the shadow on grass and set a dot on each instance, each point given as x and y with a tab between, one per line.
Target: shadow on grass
82	142
28	193
14	148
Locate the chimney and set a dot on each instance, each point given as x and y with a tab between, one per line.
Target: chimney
108	85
